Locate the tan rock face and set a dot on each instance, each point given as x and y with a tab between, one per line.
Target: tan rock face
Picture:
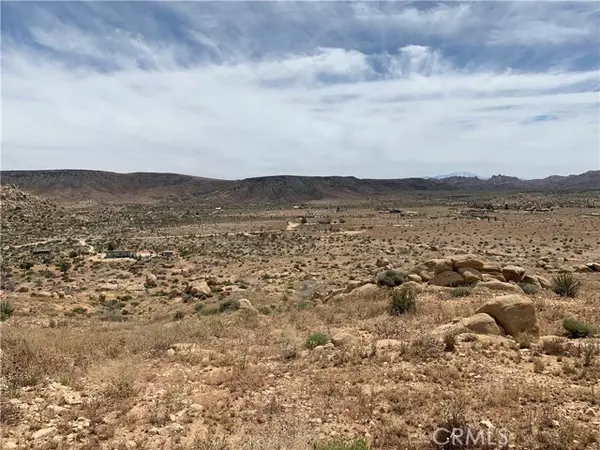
470	274
513	273
462	261
481	324
495	285
447	278
514	313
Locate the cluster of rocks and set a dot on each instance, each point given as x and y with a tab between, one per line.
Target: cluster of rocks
469	270
512	315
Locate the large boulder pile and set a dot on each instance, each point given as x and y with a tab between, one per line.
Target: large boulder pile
462	270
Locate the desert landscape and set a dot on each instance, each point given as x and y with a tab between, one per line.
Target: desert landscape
169	312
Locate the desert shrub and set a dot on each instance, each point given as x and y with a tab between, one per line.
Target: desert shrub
529	288
316	339
403	301
26	265
178	315
461	291
64	266
449	340
391	278
452	429
79	310
6	310
566	285
576	329
552	347
342	444
207	310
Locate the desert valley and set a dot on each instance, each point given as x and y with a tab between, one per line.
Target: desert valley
160	311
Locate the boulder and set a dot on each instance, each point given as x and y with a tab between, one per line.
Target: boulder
425	275
382	262
470	274
368	290
244	303
582	268
481	323
594	266
151	280
531	279
544	282
514	313
199	288
414	277
344	340
493	276
447	278
462	261
433	265
491	267
417	287
513	273
495	285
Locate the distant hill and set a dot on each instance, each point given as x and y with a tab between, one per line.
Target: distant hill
458	174
85	185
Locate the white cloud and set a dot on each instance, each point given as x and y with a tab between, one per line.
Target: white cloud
323	111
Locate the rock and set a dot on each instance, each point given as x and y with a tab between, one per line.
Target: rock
513	273
544	282
43	432
462	261
414	277
217	376
244	303
198	289
44	294
151	280
368	290
447	278
425	275
495	285
72	398
481	323
382	262
594	266
388	344
493	276
433	265
478	324
344	340
514	313
491	267
582	268
417	287
470	274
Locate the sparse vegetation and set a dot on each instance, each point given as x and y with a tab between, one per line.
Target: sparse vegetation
566	285
391	278
6	310
577	329
316	339
342	444
403	301
461	291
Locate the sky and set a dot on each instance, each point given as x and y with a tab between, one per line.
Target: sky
236	89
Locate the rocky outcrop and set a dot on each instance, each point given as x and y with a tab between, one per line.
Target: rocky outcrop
514	313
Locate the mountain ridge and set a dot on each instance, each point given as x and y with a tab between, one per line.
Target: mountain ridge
71	185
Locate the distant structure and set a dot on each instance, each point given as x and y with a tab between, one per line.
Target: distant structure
41	251
111	254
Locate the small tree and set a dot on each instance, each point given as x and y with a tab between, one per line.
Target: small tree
64	266
403	301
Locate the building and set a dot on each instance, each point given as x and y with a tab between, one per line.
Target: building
120	254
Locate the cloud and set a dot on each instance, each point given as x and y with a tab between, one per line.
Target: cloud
182	95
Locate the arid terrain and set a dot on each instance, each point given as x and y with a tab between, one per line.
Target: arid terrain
347	324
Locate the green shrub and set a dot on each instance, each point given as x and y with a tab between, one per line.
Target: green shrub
566	285
577	329
178	315
207	310
403	301
316	339
391	278
6	310
64	266
79	310
461	291
342	444
26	265
529	288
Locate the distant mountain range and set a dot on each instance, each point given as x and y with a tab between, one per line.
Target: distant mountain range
92	185
458	174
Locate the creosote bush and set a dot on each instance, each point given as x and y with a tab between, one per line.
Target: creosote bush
566	285
461	291
316	339
6	310
576	329
391	278
403	301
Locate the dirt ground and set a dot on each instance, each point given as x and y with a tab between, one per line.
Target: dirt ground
163	352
